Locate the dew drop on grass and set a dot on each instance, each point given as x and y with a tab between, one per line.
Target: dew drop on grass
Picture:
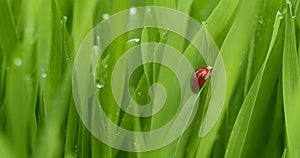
261	20
280	15
204	23
75	147
105	64
289	3
44	74
148	10
18	61
64	20
134	143
99	85
139	93
95	49
75	151
164	35
132	11
136	40
105	16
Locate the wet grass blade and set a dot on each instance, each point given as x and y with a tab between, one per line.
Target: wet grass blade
57	93
291	86
241	126
235	45
82	20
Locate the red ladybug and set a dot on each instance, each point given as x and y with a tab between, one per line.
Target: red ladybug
199	77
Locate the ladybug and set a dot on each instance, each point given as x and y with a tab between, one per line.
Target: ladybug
199	77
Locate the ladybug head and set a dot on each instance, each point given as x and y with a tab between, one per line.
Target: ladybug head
210	68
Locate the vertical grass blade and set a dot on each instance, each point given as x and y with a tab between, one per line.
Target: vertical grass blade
291	86
241	126
57	86
233	51
220	19
6	149
82	20
8	35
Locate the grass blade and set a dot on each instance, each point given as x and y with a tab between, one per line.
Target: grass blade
284	154
8	39
241	126
221	19
235	46
291	86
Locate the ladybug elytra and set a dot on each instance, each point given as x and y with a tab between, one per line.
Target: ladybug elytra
199	77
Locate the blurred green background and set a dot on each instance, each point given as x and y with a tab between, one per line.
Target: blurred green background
259	43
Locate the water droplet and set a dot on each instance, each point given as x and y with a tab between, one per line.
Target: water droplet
136	40
280	15
148	10
98	40
75	151
44	75
132	11
139	93
29	31
134	143
105	64
95	49
75	147
64	20
99	86
105	16
164	34
18	61
204	23
261	20
100	83
289	3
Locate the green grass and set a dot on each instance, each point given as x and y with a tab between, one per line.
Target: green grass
259	43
